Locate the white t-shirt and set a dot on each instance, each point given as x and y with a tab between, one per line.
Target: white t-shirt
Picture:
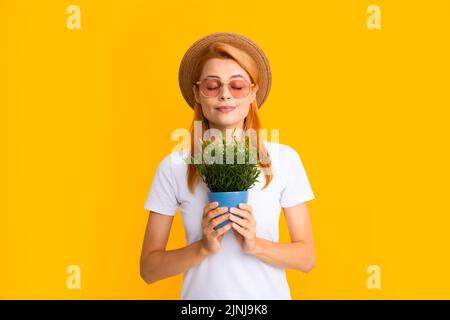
230	273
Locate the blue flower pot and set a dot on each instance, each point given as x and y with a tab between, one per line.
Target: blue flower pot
228	199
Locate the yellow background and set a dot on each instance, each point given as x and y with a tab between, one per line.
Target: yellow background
86	116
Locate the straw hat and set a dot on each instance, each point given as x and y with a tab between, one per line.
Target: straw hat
194	53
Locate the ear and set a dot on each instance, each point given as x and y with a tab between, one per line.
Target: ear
194	89
255	89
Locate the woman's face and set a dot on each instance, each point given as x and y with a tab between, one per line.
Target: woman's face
224	70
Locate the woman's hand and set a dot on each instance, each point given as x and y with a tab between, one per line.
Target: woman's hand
245	227
212	238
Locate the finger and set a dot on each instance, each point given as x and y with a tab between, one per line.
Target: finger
209	229
207	222
222	230
213	213
246	207
239	229
209	207
242	213
238	236
242	222
214	223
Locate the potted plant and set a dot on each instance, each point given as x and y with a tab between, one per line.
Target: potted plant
228	169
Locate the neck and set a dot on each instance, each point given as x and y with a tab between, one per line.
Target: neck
227	132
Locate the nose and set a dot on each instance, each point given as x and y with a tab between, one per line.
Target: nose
224	93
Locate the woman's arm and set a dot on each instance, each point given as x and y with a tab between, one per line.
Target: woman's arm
300	253
156	263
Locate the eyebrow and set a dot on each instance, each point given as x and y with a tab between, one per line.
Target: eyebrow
233	76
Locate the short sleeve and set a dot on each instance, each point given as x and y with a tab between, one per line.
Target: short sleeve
297	188
162	195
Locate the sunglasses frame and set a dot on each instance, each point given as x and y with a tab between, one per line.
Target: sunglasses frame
222	84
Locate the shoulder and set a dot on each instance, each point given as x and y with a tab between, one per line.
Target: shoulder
173	162
282	151
285	159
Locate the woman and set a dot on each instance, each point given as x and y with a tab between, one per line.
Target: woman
225	78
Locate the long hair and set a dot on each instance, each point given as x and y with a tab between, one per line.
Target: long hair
252	121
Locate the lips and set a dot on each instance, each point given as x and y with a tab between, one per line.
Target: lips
225	108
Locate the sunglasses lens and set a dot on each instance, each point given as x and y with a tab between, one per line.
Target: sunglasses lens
238	88
210	87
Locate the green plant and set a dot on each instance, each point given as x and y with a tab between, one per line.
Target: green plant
239	175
